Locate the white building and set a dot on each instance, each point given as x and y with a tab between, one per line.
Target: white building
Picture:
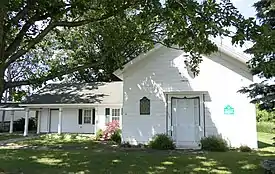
75	107
159	94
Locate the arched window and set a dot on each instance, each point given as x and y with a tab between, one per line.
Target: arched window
144	106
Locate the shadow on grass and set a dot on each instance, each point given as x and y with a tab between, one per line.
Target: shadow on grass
80	154
263	144
57	140
100	158
7	136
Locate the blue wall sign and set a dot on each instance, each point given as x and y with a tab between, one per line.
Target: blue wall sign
228	110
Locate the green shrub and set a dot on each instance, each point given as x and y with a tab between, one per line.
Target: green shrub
116	136
126	145
140	145
99	134
162	142
267	127
264	116
245	148
19	124
214	143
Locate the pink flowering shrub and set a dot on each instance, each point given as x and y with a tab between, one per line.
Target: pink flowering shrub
112	128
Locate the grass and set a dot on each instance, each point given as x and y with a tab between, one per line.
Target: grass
107	161
93	157
57	140
265	141
7	136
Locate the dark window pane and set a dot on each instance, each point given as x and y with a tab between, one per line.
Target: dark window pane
93	117
107	111
144	106
80	116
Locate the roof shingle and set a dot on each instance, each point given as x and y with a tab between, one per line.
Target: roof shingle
82	93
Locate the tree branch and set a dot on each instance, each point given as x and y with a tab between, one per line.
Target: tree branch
20	15
23	12
2	23
52	25
18	39
2	46
50	76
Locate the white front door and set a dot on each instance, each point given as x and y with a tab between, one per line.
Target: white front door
54	120
185	122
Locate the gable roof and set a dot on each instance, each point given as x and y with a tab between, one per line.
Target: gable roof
77	93
230	51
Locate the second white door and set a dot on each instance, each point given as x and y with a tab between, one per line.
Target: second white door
54	120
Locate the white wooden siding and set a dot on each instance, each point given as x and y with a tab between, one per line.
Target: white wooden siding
70	120
164	71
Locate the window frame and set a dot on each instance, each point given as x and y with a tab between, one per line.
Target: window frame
83	115
115	113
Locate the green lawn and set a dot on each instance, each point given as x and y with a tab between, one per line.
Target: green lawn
58	140
6	136
265	141
82	155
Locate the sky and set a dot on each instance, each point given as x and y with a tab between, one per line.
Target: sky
245	7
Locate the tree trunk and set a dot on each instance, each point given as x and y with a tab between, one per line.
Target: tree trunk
7	97
4	113
2	43
2	90
2	47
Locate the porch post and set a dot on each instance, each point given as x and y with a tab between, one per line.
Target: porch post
48	120
26	122
38	121
59	131
11	121
95	109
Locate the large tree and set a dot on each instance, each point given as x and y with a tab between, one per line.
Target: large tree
261	32
43	40
25	23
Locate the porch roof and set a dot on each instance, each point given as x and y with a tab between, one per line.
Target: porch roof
77	93
11	107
